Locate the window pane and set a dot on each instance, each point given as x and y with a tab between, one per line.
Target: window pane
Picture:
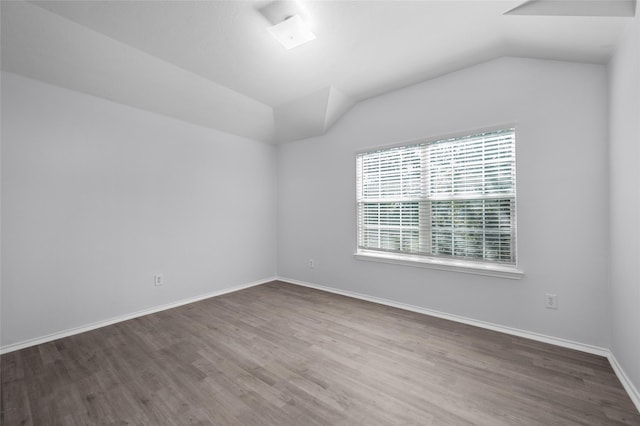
394	173
478	229
475	165
390	226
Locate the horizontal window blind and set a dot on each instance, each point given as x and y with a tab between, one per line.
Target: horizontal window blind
447	198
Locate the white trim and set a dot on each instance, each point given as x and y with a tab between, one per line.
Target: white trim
624	379
565	343
88	327
475	268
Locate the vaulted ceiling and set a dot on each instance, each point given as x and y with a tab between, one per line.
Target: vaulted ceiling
213	63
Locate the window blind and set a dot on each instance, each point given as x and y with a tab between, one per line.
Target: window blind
446	198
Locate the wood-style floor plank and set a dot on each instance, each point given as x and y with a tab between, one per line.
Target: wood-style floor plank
280	354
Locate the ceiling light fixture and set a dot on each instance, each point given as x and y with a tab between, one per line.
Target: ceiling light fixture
292	32
290	20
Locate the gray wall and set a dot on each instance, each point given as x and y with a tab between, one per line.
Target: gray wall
98	197
625	203
560	110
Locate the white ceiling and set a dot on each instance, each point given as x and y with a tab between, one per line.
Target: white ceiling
213	63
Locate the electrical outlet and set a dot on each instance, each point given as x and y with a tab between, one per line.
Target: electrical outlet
550	301
312	264
158	279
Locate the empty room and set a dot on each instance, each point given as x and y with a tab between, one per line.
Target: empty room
320	212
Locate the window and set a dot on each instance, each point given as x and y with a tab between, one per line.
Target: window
450	200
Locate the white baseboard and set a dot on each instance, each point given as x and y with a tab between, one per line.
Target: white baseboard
624	379
626	383
501	328
617	368
76	330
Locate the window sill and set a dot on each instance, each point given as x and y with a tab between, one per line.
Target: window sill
442	264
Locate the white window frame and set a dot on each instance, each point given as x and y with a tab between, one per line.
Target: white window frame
443	262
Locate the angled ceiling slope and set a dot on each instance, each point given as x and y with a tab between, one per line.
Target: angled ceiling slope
44	46
311	115
213	63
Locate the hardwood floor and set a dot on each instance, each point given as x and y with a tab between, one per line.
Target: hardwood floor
279	354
